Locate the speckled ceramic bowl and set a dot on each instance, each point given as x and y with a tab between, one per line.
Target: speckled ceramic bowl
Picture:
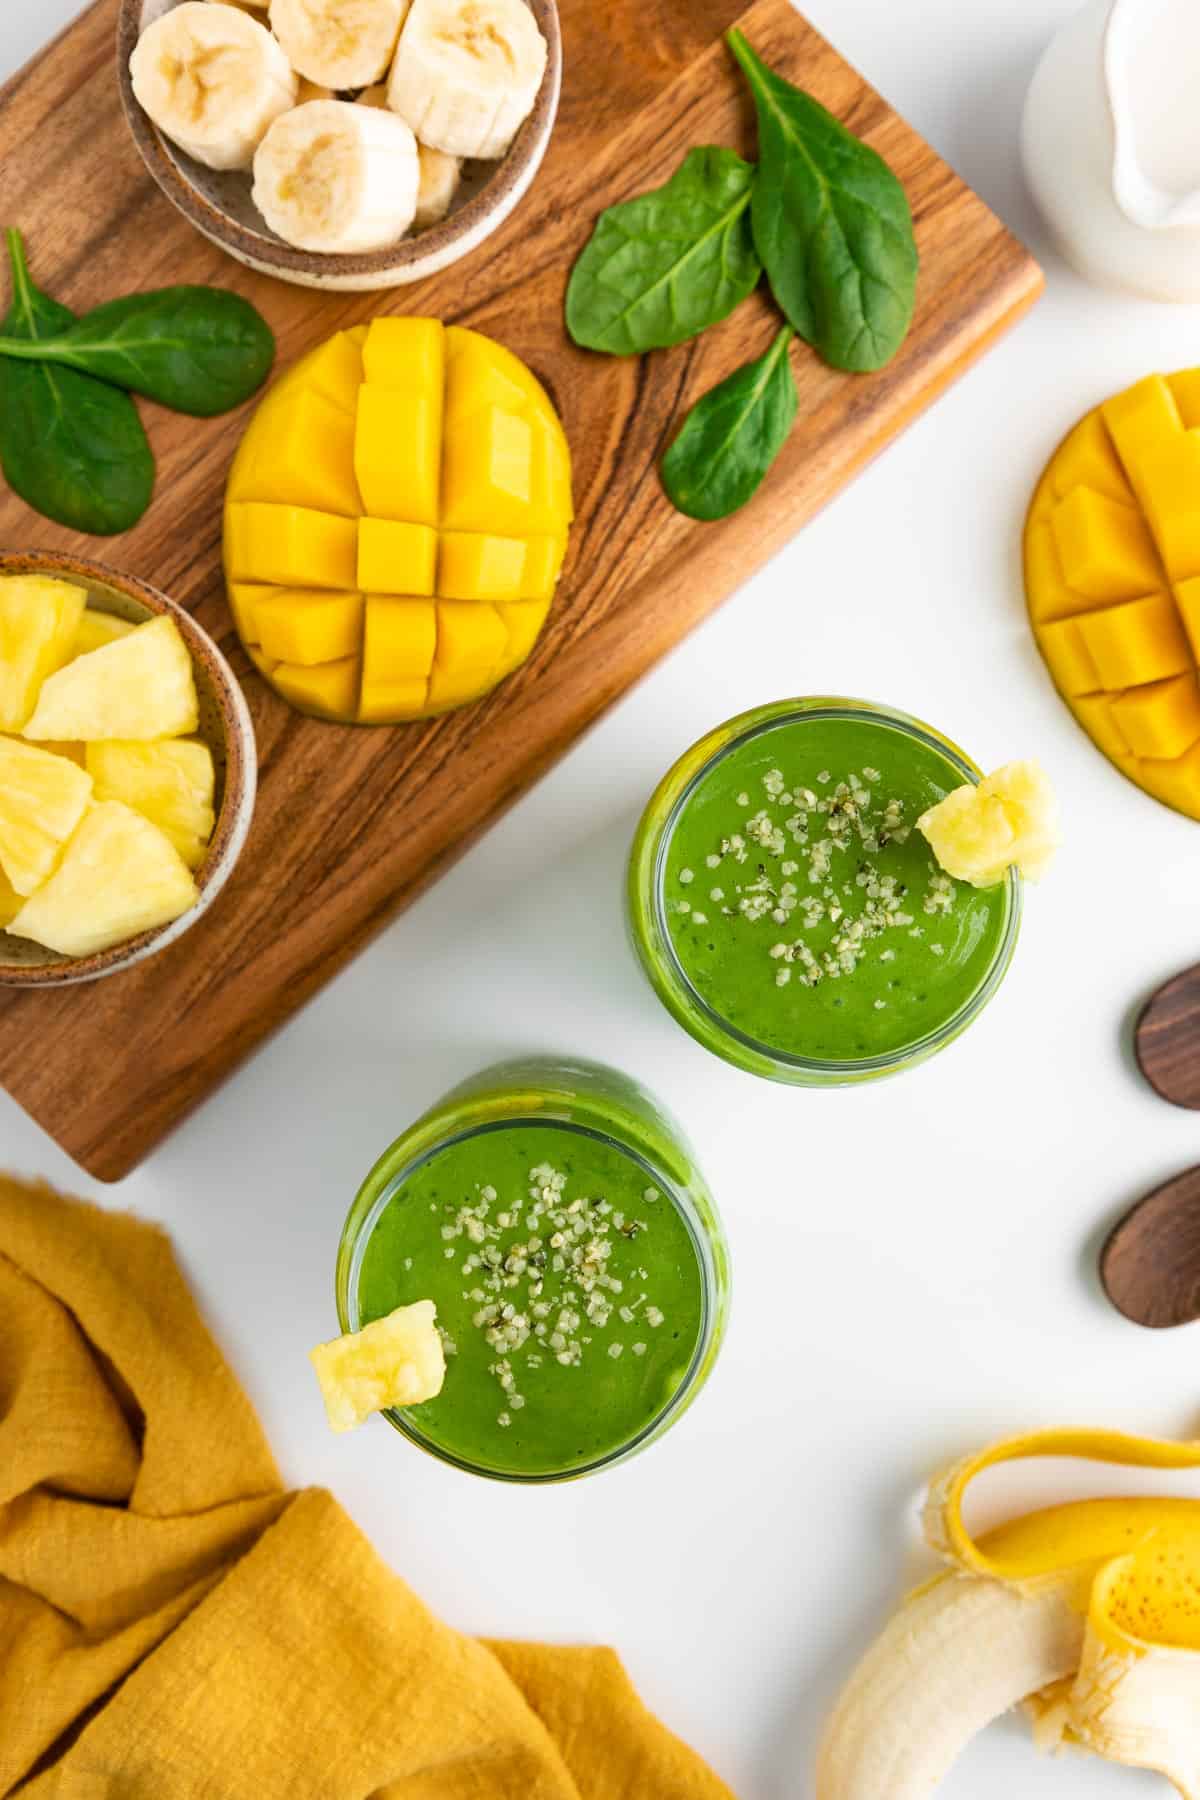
218	202
225	727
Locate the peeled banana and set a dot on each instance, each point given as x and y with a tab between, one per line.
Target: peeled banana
1086	1612
212	79
338	43
467	73
440	173
332	176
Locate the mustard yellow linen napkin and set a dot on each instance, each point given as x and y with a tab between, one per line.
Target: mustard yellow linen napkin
174	1626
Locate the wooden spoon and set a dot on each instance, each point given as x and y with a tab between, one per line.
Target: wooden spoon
1150	1264
1166	1039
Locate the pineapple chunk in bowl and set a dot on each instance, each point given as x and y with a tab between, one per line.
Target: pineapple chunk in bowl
174	807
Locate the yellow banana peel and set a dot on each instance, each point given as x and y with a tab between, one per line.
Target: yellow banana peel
1088	1612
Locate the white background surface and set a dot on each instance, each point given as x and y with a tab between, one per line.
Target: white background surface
914	1263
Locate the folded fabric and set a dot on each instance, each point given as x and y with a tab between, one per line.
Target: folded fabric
175	1626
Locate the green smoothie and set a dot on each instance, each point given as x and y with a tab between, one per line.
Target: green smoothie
568	1287
805	909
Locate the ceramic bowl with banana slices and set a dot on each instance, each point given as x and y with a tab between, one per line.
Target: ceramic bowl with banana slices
127	770
342	144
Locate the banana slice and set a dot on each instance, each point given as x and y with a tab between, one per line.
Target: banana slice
437	186
336	177
439	173
212	79
250	6
339	43
467	73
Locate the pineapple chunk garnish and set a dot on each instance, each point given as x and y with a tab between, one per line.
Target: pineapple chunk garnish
1010	820
97	628
137	687
39	617
395	1361
172	783
118	876
42	800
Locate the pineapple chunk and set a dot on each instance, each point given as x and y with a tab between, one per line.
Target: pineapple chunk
1011	818
171	783
10	901
118	876
39	616
139	686
395	1361
97	628
42	799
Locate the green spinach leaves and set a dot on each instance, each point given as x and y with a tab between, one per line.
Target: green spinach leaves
660	268
732	436
829	222
73	448
198	350
71	442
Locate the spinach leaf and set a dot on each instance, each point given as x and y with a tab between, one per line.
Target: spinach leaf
658	269
200	350
73	448
831	224
732	436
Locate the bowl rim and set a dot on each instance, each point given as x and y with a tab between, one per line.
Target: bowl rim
435	245
241	769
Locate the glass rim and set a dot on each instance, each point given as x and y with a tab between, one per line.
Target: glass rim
679	787
430	1143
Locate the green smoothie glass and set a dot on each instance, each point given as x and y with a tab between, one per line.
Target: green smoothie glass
555	1215
788	912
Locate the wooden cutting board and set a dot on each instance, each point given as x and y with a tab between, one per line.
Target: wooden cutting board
352	823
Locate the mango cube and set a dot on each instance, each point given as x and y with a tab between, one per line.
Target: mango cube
328	689
461	474
1069	660
305	459
400	639
396	558
1161	718
1138	420
1185	391
1046	589
1143	640
1104	547
1175	781
296	626
293	546
397	453
1095	714
39	619
475	566
1086	458
1171	481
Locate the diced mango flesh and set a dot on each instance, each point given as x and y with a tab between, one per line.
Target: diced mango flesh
1112	576
460	475
394	1361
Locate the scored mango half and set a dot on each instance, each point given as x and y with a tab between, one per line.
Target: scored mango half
396	520
1112	580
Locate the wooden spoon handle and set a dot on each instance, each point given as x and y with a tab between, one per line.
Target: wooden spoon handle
1166	1039
1150	1263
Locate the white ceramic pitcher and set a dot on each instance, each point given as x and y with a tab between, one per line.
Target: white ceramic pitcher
1111	144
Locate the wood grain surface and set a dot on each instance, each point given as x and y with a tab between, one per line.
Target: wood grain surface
1166	1039
351	823
1150	1264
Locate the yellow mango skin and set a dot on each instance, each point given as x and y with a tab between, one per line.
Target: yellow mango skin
397	519
1112	581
